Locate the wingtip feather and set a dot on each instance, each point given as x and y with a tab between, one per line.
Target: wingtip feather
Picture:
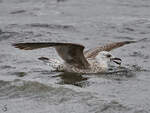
21	46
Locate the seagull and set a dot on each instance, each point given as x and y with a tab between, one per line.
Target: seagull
75	59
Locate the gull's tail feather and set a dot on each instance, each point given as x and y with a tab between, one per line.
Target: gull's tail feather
55	64
43	59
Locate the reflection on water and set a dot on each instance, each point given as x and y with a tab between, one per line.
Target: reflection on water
81	80
73	79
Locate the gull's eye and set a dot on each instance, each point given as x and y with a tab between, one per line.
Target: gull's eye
108	55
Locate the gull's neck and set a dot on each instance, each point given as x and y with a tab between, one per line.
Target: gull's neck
103	63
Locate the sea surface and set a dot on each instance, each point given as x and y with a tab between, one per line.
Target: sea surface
28	86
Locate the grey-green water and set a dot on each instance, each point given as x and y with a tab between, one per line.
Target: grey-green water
28	86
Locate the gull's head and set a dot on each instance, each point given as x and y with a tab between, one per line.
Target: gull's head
107	57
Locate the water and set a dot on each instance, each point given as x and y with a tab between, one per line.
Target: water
28	86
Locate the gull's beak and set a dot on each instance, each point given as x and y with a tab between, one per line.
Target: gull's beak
116	60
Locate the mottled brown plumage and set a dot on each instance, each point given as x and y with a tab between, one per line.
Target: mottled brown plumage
69	52
75	59
92	53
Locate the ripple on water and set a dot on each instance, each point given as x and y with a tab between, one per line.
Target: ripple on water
19	74
19	88
18	12
113	106
52	26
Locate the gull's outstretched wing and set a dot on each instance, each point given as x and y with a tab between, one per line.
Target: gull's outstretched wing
69	52
92	53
